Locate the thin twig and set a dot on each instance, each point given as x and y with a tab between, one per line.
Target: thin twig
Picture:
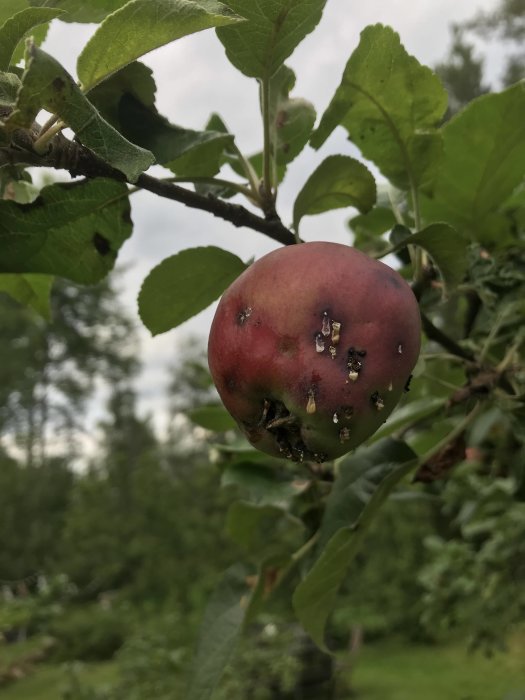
79	160
234	213
434	333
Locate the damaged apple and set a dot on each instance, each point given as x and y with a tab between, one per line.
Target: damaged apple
312	347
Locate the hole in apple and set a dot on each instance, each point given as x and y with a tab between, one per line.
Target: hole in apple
285	429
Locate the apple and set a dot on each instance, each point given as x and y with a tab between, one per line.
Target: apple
312	347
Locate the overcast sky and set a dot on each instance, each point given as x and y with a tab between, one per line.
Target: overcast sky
194	79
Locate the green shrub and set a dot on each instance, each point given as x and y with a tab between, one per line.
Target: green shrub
89	634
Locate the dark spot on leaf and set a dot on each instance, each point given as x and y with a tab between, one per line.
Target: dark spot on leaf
58	84
101	244
281	119
126	216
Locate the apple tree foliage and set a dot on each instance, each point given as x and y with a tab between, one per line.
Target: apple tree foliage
444	197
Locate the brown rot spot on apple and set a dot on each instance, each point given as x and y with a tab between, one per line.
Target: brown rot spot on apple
354	363
243	316
343	414
312	382
284	430
230	383
287	346
377	401
344	435
347	412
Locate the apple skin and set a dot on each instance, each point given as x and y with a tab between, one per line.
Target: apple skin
294	391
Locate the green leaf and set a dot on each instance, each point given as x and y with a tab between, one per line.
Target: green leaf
219	635
30	290
359	475
185	151
291	119
261	483
399	234
256	161
185	284
9	8
484	161
141	26
136	80
390	105
274	29
21	191
81	10
265	531
408	414
377	221
365	482
46	84
294	124
73	230
368	229
340	181
37	35
203	154
16	28
214	418
233	159
127	101
9	86
447	248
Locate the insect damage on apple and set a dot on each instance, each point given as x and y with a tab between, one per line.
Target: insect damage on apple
312	347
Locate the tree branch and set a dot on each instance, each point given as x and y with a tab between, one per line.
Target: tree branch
434	333
234	213
79	160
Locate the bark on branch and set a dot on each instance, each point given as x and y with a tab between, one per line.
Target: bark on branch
80	161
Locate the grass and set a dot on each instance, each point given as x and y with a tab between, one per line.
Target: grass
389	671
11	652
48	681
384	671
